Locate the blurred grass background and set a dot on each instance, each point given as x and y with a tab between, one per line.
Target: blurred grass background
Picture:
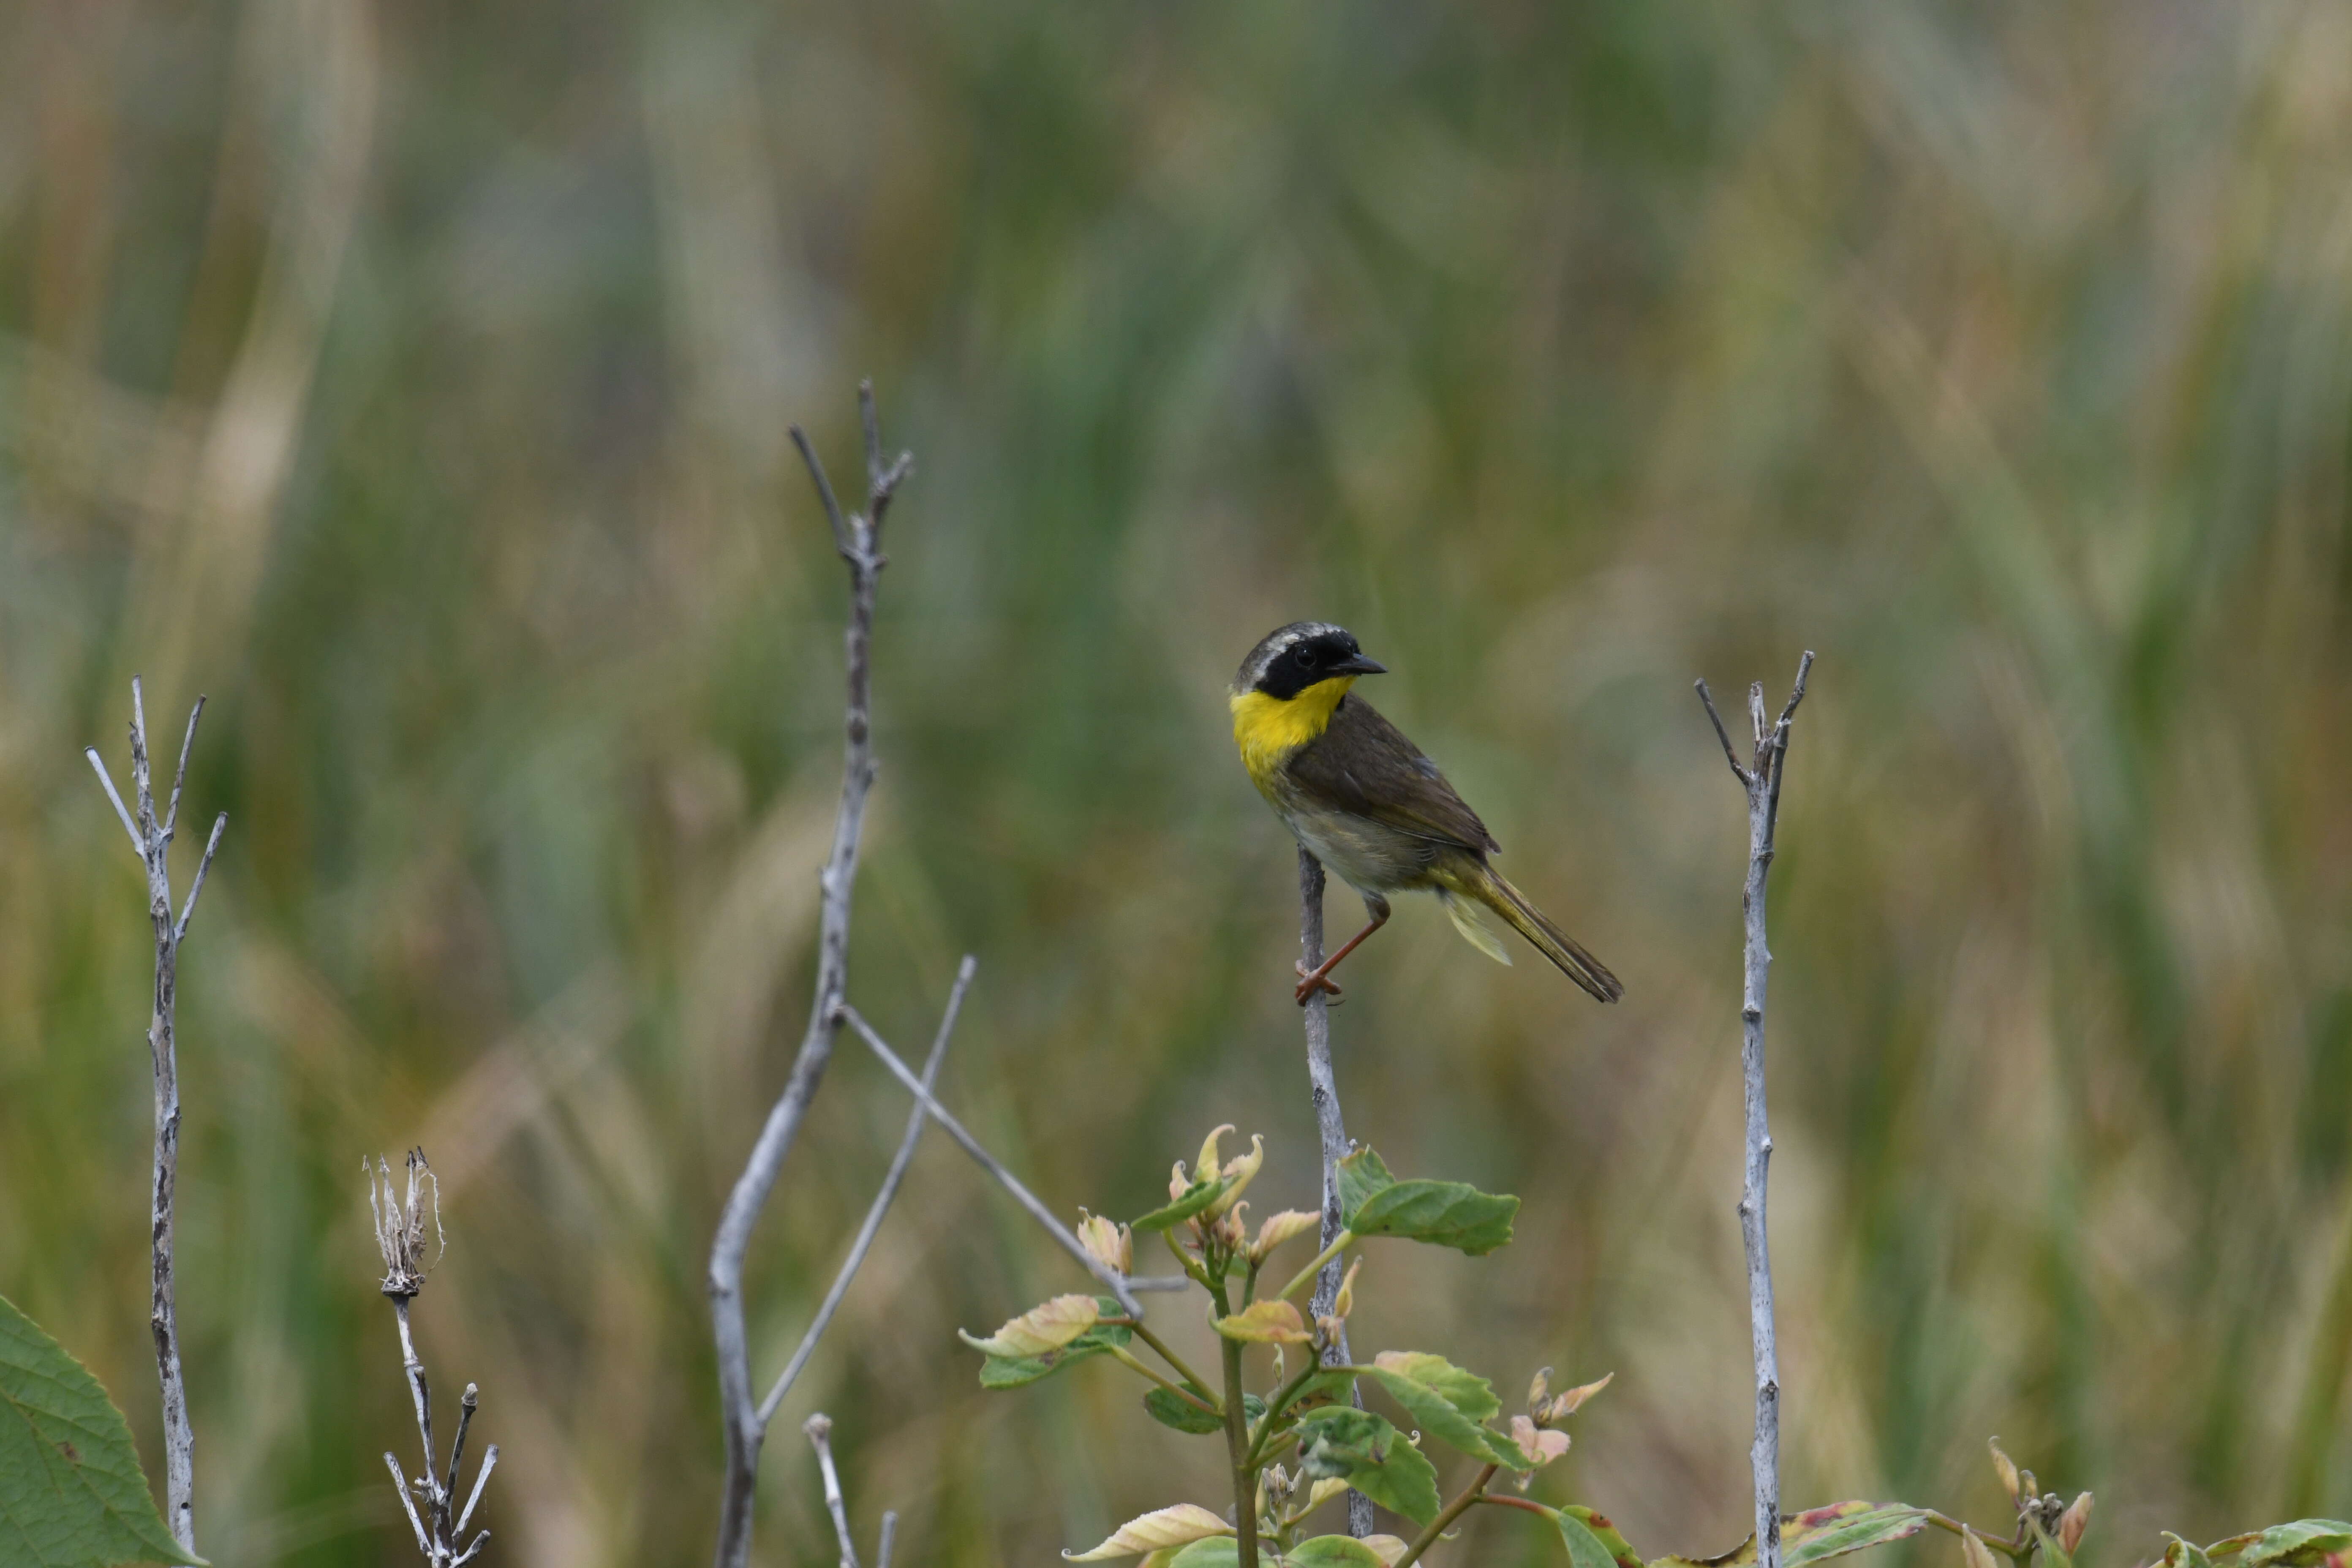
414	380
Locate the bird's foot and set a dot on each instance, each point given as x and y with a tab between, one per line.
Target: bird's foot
1310	980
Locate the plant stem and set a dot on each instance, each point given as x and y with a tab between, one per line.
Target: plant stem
2012	1550
1199	1384
1519	1502
1126	1357
1275	1407
1237	1446
1305	1276
1446	1516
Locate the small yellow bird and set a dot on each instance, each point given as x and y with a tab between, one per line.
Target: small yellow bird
1367	804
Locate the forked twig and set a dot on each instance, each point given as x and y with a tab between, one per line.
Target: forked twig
152	840
1760	781
1119	1285
857	537
881	1205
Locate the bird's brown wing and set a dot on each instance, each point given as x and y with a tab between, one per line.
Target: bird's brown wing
1362	763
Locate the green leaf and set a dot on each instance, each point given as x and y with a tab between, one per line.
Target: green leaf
1605	1532
2052	1554
1370	1455
1819	1535
1013	1372
72	1494
1445	1214
1433	1415
1326	1385
1466	1391
2297	1545
1217	1552
1585	1549
1170	1410
1359	1176
1197	1196
1333	1550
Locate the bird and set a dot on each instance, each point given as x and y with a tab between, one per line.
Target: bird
1367	803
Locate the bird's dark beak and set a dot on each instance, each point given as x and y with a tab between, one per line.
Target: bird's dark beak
1356	664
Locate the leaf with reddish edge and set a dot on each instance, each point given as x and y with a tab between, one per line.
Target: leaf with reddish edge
1817	1534
1605	1532
2301	1544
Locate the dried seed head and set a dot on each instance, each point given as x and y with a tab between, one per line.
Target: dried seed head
400	1223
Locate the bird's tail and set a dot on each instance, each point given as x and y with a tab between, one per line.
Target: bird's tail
1490	888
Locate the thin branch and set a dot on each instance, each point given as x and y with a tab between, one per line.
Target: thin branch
1706	697
1112	1279
138	845
1760	782
409	1503
819	1429
481	1480
180	773
1323	1087
188	910
1446	1516
889	1538
467	1405
882	1200
841	535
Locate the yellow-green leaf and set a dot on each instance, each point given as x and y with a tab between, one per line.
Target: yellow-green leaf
1040	1329
1162	1527
1266	1324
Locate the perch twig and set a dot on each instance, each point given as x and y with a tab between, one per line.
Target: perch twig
1760	780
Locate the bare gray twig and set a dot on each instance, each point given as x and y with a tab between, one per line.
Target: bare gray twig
1118	1284
400	1217
881	1205
152	841
819	1429
857	537
1325	1089
1760	780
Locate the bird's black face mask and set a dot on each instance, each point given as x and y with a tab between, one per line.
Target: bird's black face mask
1312	659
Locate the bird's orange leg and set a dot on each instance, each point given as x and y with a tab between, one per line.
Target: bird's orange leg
1314	980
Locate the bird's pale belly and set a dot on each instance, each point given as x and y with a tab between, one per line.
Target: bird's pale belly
1367	855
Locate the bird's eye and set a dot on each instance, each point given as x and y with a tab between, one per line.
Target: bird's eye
1306	654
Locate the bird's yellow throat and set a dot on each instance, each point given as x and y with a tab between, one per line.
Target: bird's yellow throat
1268	729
